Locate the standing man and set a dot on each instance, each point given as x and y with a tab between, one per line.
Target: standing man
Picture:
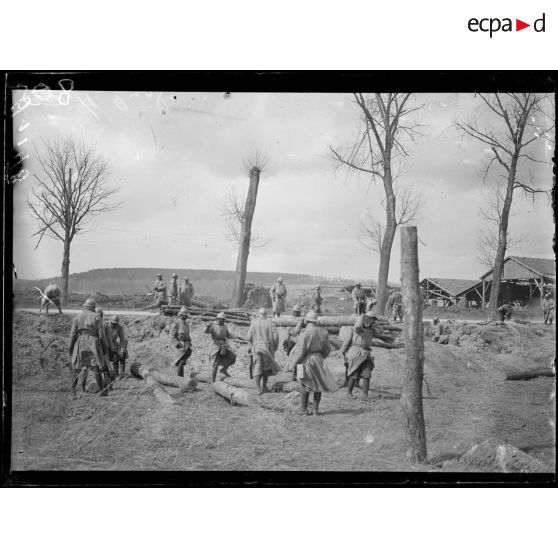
359	300
173	289
264	338
180	336
87	341
357	349
311	351
106	369
548	309
186	292
223	356
318	300
51	295
395	306
159	292
278	296
293	333
119	345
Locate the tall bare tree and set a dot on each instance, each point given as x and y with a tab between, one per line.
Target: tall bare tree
516	121
378	150
408	206
254	166
487	243
70	189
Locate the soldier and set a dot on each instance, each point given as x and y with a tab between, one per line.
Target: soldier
371	304
436	330
357	350
263	336
395	306
293	332
224	356
548	309
318	300
87	341
51	296
505	311
278	296
106	369
180	334
311	350
160	291
359	300
186	292
173	289
119	346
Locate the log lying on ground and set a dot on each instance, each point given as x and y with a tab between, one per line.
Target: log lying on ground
142	372
235	396
541	372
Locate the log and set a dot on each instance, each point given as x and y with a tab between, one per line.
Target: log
411	395
519	376
235	381
163	396
235	395
170	380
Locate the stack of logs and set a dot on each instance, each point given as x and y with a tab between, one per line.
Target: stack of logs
238	317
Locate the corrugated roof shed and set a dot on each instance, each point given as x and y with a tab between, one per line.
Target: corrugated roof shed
519	267
453	287
541	265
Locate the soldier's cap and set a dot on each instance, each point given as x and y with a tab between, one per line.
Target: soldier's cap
436	319
371	315
115	319
99	310
296	308
90	303
547	295
186	279
174	275
311	317
262	312
280	279
358	285
183	312
159	274
221	316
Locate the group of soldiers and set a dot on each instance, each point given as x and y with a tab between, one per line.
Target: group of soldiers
97	346
278	294
172	293
363	304
307	347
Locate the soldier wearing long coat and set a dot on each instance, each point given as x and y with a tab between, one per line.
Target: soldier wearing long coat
173	289
395	306
53	294
359	299
224	356
278	293
311	350
106	369
160	291
264	339
119	345
180	336
87	343
357	350
186	292
318	300
548	308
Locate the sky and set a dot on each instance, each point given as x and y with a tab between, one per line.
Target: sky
175	157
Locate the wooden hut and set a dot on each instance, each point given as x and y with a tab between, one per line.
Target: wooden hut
447	292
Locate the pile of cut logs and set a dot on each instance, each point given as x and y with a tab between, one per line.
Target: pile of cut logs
238	317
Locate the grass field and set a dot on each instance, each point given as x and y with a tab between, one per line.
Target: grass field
468	402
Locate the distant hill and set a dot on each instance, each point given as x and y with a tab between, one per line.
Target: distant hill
212	282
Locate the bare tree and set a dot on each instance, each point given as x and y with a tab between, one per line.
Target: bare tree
518	120
487	243
408	207
379	149
254	167
71	188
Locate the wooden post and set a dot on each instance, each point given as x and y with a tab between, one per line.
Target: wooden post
411	396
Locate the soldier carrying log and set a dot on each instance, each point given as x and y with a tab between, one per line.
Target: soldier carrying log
180	335
264	338
311	350
87	341
357	349
223	356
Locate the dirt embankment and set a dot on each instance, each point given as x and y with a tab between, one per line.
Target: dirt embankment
466	402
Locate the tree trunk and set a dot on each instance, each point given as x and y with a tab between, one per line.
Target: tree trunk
502	241
387	243
65	271
411	396
245	236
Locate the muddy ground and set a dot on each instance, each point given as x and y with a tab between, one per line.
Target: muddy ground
468	402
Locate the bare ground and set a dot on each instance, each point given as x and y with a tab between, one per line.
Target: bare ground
467	403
